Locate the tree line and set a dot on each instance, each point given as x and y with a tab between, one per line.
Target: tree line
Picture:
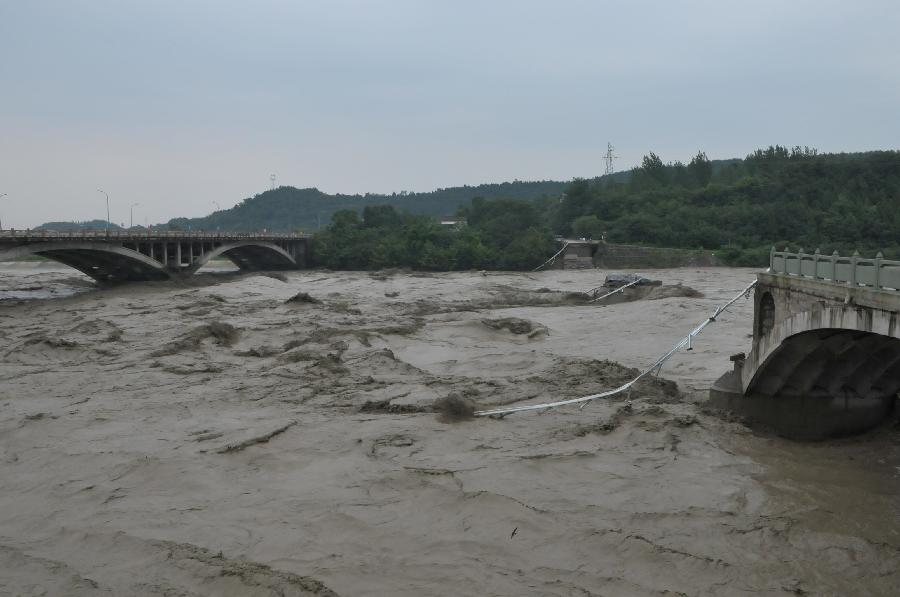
739	208
505	234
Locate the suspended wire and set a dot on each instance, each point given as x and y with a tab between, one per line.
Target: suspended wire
552	258
619	289
656	366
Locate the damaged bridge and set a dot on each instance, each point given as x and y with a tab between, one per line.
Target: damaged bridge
130	256
825	358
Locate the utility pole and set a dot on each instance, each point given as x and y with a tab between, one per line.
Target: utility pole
131	217
1	222
609	159
107	209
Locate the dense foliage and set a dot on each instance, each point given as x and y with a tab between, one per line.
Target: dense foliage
774	196
739	208
500	234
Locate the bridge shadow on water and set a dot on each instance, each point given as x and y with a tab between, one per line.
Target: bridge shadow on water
804	417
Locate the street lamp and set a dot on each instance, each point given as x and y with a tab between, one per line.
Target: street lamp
107	209
1	196
131	216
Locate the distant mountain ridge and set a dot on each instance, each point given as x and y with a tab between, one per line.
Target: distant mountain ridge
288	208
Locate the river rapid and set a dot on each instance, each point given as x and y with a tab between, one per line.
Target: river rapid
212	437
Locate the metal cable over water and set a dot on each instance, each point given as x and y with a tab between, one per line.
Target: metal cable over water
656	366
552	258
619	289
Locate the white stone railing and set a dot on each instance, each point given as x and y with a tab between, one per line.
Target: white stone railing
877	272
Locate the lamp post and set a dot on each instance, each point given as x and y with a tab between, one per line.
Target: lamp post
1	222
107	209
131	216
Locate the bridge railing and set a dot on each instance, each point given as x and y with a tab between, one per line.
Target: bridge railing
125	235
877	272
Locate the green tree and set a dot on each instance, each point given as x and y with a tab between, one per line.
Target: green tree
653	170
700	169
588	227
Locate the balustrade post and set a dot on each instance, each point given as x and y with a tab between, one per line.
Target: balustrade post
878	258
853	260
834	259
816	257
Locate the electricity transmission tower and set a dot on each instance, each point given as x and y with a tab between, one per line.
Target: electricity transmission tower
609	158
272	178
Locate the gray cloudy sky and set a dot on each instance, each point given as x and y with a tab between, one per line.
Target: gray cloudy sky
176	104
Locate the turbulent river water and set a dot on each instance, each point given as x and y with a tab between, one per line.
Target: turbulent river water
213	437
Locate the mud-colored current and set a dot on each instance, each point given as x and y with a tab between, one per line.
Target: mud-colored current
217	438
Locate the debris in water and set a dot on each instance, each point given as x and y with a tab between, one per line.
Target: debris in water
453	408
303	297
224	334
259	439
517	326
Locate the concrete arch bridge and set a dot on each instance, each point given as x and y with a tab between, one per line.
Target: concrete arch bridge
129	256
825	358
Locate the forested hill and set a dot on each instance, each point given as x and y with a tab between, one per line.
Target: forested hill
775	196
290	209
739	209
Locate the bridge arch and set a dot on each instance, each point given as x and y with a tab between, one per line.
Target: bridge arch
837	330
256	255
825	372
103	262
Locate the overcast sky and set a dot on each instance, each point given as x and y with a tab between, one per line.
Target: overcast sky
178	104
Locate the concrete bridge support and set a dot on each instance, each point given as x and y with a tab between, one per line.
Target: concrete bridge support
825	359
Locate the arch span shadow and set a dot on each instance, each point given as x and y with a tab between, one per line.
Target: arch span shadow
101	261
250	255
818	384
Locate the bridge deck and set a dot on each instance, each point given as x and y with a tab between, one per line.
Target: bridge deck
124	236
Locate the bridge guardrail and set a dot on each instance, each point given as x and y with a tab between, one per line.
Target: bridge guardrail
877	272
146	236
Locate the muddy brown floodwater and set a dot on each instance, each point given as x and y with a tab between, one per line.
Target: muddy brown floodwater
218	439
